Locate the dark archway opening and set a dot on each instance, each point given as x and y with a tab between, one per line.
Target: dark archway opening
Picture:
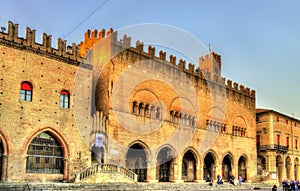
136	161
189	167
226	167
209	171
164	160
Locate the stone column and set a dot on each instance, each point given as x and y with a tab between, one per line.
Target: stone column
198	177
177	166
283	169
291	175
4	167
66	169
151	171
297	172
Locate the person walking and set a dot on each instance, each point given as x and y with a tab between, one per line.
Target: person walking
240	180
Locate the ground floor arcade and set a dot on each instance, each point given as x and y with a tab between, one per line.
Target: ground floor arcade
277	167
187	166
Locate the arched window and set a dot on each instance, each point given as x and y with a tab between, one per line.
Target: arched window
44	155
171	116
141	105
134	107
147	110
64	99
152	112
26	91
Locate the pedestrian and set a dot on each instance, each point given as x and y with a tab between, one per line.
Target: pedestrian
219	181
284	185
231	180
274	188
296	185
240	180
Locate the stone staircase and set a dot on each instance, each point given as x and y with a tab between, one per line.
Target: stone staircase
105	173
129	187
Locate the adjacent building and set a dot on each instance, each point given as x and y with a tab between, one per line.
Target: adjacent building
277	146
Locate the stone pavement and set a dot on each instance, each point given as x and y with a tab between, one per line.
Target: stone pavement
10	186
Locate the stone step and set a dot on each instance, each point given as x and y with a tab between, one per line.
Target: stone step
128	186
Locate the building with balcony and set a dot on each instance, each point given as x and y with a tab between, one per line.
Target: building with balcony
277	146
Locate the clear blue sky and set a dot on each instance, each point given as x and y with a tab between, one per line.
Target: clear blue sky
257	39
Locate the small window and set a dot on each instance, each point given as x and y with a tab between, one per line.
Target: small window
134	108
64	99
146	110
277	119
141	109
287	121
26	91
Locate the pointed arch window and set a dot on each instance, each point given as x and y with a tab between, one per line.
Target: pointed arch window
44	155
64	99
26	91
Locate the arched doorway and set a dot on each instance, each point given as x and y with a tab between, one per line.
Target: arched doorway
136	160
164	160
261	165
226	167
209	171
279	167
189	167
288	168
44	155
242	168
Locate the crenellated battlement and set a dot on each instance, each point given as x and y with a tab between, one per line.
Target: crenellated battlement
212	59
11	38
240	88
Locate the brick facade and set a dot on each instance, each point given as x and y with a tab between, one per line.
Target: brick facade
162	119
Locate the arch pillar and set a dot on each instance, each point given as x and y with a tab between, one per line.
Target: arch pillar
177	166
4	167
151	171
283	167
199	172
290	166
297	171
66	170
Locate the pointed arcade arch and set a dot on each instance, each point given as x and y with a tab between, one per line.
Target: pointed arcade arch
242	167
209	171
227	164
47	153
136	160
189	166
44	155
164	163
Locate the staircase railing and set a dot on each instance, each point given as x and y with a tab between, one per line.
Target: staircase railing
96	168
